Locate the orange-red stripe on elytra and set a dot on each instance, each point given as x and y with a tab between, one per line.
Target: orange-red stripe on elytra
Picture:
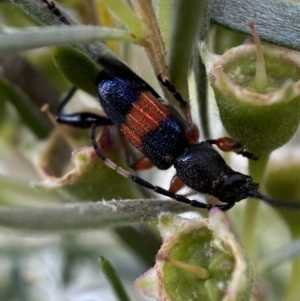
146	114
131	136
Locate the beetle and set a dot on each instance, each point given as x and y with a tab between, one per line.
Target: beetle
163	136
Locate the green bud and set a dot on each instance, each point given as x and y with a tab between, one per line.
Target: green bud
89	178
265	120
199	260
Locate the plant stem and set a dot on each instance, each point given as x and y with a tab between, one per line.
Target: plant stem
257	171
154	45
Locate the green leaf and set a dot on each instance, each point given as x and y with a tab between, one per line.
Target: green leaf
187	20
276	20
125	14
77	67
29	113
39	11
85	215
113	279
13	41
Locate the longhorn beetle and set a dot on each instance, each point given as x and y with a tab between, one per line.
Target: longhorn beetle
163	136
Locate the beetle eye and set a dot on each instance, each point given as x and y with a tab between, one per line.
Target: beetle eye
234	178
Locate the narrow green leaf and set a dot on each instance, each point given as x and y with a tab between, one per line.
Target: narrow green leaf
164	11
29	113
186	23
77	67
35	37
276	21
38	10
113	279
202	94
86	215
125	14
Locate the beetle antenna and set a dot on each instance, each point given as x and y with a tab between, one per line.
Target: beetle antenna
273	202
